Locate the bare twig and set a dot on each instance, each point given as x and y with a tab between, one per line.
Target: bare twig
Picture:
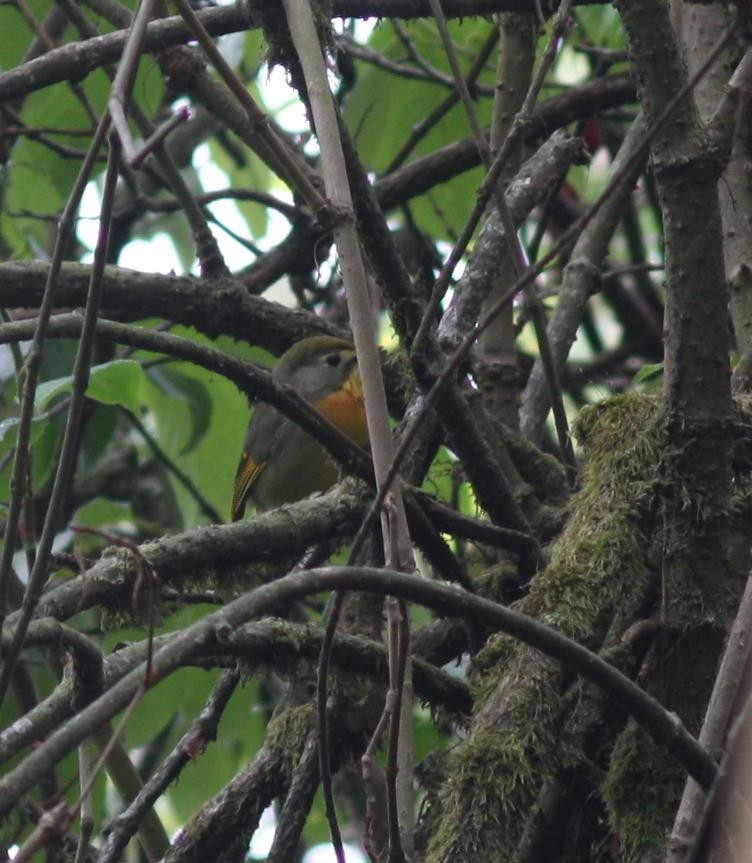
120	93
194	741
33	364
396	537
87	804
158	136
292	167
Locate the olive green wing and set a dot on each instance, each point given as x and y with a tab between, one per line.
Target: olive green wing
267	434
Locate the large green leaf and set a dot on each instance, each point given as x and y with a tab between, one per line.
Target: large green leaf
383	108
41	178
177	385
102	512
118	382
45	449
100	431
211	457
16	33
601	26
44	436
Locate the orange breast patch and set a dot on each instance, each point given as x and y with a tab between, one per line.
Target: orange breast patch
345	409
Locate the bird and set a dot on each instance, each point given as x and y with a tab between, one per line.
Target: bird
280	462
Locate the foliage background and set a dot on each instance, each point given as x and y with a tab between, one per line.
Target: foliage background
644	564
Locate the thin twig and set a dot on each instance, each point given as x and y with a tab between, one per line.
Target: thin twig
87	805
168	205
399	656
33	365
120	93
290	162
194	741
182	115
179	474
322	715
395	532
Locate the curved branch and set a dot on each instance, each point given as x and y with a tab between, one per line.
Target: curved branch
266	640
664	727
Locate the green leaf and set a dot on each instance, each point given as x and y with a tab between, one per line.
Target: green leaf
601	26
99	433
118	382
252	175
209	458
45	449
194	393
101	512
438	481
16	33
647	372
9	432
40	428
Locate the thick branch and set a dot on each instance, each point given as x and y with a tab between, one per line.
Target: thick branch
216	307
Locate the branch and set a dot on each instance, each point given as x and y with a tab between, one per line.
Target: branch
580	280
215	307
202	731
274	536
272	642
664	727
75	60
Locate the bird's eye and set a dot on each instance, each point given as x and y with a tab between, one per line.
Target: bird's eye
333	360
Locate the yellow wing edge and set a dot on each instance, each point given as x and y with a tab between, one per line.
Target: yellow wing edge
247	474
